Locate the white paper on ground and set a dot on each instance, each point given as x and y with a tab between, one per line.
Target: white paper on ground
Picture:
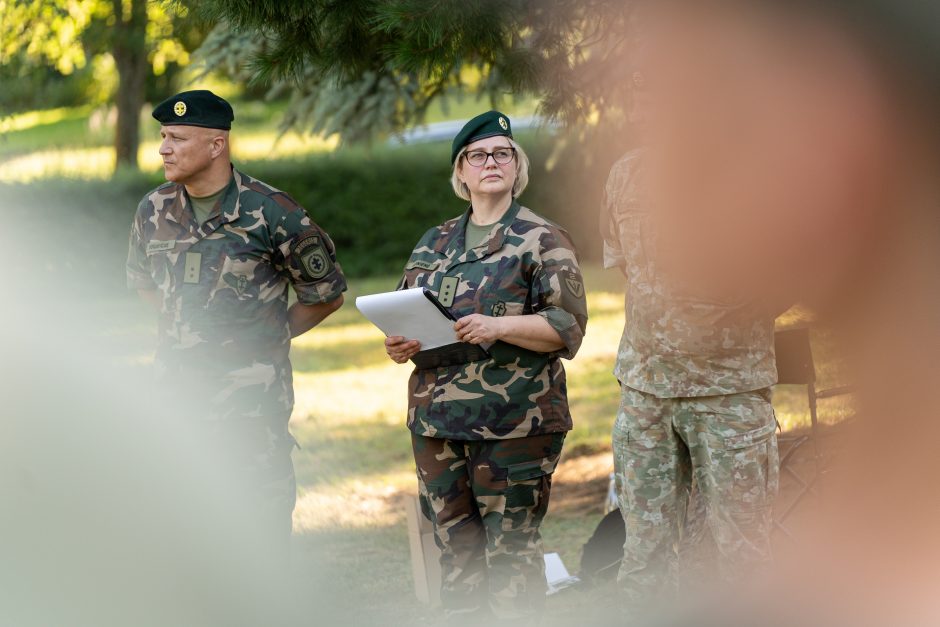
556	574
410	314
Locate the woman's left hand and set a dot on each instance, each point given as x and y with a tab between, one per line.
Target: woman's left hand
478	329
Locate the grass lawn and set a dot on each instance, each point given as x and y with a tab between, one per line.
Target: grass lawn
355	463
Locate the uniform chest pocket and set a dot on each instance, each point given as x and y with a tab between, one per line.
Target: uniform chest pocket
241	279
161	264
503	293
635	236
499	306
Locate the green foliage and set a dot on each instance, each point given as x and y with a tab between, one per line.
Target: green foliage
25	87
375	205
53	54
366	67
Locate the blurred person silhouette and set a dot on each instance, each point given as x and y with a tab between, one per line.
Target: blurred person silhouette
215	251
110	517
696	369
792	156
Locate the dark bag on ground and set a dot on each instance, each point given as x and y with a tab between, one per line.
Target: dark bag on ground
602	554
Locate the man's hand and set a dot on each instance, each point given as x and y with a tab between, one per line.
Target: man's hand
479	329
302	318
400	349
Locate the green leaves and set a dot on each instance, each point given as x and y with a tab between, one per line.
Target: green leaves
361	68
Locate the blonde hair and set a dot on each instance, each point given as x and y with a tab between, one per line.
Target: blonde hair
518	186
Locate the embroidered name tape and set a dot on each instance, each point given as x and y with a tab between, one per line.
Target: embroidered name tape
160	246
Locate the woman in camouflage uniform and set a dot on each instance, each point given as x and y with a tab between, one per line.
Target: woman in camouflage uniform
487	434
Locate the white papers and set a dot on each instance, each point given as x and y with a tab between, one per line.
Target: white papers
556	574
410	314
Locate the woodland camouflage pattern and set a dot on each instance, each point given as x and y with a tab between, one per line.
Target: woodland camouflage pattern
487	499
223	336
527	266
675	344
727	445
487	435
695	411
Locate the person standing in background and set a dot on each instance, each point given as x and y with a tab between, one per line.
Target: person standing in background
487	434
215	251
695	372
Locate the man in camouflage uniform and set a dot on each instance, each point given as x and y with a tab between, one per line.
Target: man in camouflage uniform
488	434
219	278
695	409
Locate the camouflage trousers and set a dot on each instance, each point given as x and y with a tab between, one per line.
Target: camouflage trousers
249	458
255	454
726	447
486	500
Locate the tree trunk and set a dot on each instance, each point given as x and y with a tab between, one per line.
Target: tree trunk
130	58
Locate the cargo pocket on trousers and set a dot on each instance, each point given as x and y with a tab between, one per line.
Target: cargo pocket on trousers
527	493
754	467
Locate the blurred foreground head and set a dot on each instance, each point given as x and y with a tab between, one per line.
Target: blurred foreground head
793	150
787	138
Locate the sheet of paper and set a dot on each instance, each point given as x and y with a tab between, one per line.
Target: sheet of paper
556	575
410	314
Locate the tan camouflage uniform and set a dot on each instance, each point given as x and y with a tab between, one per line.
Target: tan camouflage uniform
695	407
487	435
223	335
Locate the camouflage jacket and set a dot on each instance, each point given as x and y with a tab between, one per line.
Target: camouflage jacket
676	345
527	265
223	332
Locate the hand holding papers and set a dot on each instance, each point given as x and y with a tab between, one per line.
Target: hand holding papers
416	315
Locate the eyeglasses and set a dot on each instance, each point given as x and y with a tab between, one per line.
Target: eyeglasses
502	156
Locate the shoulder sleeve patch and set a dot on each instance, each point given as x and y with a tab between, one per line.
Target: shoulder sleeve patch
575	284
313	257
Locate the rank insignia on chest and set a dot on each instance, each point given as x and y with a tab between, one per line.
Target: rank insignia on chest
192	267
315	262
448	290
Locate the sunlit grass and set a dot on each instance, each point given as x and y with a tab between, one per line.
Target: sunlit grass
31	119
76	143
97	163
356	460
355	463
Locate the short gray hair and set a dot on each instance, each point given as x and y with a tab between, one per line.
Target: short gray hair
522	173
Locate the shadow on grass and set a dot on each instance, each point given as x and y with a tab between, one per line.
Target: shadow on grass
364	451
364	573
348	355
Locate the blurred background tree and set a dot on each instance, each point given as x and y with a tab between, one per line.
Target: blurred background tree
124	52
364	67
356	69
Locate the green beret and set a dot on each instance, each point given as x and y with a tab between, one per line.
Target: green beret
489	124
199	107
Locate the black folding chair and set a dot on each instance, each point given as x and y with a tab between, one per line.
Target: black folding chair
795	366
